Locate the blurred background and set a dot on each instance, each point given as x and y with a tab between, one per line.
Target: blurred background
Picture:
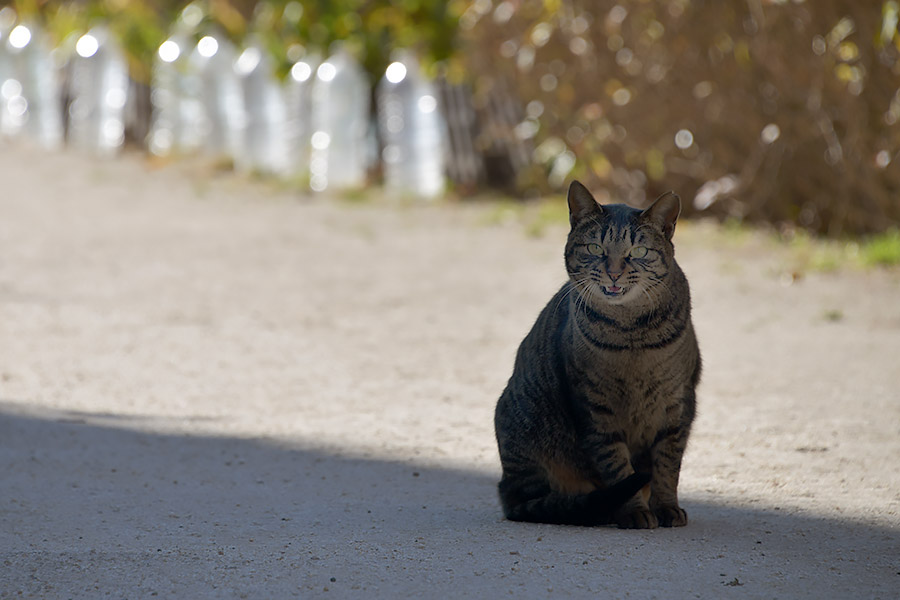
767	111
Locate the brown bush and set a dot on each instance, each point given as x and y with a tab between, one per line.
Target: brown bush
789	112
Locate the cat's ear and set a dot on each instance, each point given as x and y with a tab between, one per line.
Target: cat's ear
581	203
664	213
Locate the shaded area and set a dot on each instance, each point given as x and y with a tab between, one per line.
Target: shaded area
92	507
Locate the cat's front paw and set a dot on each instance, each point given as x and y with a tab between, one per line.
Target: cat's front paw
639	518
671	516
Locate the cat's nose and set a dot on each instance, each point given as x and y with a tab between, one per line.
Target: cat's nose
614	274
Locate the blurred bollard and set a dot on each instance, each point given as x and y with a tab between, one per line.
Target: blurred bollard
298	95
8	91
265	141
178	112
98	92
412	130
223	119
340	117
30	101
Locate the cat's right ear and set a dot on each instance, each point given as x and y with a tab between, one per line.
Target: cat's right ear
581	203
664	212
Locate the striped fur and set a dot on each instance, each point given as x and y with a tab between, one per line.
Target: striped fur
601	399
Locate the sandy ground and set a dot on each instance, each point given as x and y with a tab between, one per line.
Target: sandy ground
213	389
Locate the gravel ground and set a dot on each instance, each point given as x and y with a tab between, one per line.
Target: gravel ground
212	388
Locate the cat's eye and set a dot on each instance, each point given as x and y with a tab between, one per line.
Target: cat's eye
595	249
638	252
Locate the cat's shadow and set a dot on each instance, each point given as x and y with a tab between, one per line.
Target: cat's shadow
89	499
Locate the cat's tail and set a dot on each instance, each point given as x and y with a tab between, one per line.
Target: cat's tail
594	508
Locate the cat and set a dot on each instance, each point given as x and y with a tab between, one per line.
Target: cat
602	396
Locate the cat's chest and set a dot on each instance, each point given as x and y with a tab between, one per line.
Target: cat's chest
632	395
632	376
632	392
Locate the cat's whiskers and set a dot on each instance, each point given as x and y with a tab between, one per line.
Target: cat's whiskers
658	282
656	294
587	294
580	286
581	300
652	299
568	293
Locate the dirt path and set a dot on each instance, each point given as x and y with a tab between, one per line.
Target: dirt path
209	389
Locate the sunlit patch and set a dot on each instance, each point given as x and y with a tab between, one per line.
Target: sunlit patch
169	51
770	133
301	71
207	46
684	139
248	61
116	98
19	37
320	140
326	71
10	89
87	46
396	72
427	104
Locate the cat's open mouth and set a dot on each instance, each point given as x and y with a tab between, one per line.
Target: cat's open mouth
613	290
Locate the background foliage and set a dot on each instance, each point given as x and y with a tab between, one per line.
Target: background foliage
370	29
791	108
763	110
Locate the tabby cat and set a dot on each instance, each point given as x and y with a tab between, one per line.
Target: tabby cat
601	399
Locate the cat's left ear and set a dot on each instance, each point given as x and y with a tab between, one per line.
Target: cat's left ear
664	213
581	203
